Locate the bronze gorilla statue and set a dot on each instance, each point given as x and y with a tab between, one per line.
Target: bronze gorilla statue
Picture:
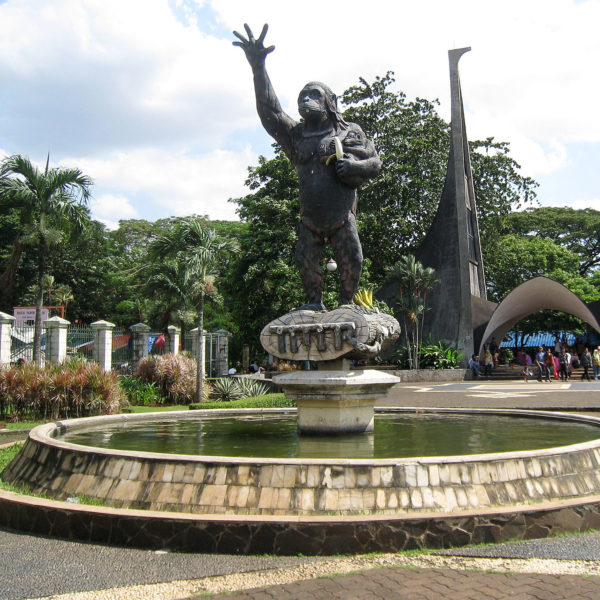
327	187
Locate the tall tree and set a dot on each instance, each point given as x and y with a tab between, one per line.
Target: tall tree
576	230
51	202
200	252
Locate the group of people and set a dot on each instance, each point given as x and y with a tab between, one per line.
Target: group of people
548	363
558	363
487	361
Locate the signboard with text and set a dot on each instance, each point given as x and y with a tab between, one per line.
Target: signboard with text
26	314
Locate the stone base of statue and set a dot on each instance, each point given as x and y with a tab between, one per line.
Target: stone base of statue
335	402
348	331
336	398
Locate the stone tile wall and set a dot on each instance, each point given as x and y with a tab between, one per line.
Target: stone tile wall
255	535
238	486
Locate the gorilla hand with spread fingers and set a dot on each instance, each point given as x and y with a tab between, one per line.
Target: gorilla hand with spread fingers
327	187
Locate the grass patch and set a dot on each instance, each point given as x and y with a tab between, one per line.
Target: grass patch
148	409
266	401
20	425
7	455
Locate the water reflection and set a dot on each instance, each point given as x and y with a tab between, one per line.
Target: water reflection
395	435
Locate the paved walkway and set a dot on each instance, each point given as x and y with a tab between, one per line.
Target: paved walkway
556	569
431	584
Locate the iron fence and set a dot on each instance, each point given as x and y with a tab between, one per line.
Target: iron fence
80	341
122	351
22	342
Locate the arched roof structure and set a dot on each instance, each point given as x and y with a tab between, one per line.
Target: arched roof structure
540	293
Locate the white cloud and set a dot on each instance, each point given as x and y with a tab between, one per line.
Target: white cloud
110	208
168	184
586	203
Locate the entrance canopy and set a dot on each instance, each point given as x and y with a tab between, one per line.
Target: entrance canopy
540	293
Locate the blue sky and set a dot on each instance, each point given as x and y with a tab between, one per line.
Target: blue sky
151	100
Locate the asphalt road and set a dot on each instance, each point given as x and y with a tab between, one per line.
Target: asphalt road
34	566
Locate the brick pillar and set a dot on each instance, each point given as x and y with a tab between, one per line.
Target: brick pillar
6	323
103	343
139	332
173	334
56	344
222	352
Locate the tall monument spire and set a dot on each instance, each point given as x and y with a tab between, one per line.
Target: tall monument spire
452	246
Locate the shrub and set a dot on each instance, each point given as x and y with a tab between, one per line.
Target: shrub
267	401
225	389
174	376
251	387
440	356
67	390
140	393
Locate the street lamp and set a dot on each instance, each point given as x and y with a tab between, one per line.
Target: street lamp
331	265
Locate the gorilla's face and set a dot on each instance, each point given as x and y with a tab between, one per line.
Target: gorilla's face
311	103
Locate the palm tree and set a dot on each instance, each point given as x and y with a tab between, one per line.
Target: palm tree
414	282
198	251
50	201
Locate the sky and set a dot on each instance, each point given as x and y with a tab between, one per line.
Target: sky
151	100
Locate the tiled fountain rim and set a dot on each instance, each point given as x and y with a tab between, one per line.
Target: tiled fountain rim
46	433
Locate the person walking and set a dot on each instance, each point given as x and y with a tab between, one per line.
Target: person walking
539	362
564	359
586	363
596	362
549	364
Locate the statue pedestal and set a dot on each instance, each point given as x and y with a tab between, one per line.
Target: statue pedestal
335	402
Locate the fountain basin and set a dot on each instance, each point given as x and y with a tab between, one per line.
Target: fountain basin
302	487
537	494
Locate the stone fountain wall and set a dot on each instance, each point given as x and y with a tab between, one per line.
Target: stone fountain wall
218	486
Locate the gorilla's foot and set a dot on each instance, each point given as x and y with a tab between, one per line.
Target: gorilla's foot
316	306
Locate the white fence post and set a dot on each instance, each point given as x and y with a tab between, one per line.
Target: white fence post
56	344
103	343
222	352
140	332
173	334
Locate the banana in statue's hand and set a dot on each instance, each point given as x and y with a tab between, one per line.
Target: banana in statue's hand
339	151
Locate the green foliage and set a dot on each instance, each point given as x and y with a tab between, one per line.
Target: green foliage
251	387
440	356
51	204
140	392
413	282
266	401
576	230
431	356
190	255
8	454
520	258
225	389
58	391
173	375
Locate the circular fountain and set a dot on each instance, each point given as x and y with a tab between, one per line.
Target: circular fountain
312	504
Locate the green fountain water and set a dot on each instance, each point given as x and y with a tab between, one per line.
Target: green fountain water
395	436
